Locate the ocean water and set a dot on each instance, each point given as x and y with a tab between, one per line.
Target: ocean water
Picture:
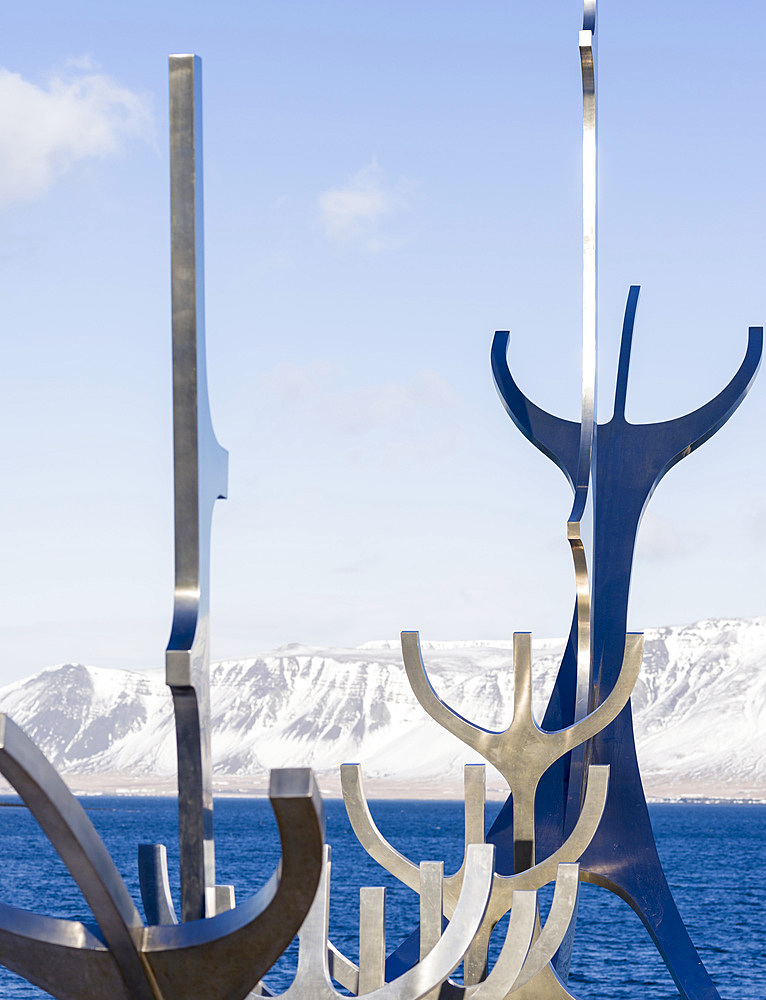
714	858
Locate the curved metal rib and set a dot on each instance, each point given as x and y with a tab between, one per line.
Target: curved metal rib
521	958
582	834
514	952
66	958
64	822
171	962
341	969
682	435
556	926
368	834
380	850
243	943
555	437
614	703
440	712
582	619
155	884
558	438
512	957
312	980
678	437
448	952
504	887
523	752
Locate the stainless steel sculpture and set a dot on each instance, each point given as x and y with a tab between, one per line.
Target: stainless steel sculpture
505	889
523	752
312	980
220	951
200	472
575	811
120	957
613	468
631	460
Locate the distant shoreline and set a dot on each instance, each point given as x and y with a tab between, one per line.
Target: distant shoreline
256	786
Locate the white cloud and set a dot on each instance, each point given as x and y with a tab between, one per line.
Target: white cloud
45	131
353	213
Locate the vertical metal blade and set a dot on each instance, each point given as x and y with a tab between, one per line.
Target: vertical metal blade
200	476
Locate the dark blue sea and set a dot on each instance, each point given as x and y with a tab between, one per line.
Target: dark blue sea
714	858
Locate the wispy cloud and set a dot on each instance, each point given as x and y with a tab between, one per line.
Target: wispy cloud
300	384
399	403
658	538
46	130
419	414
353	213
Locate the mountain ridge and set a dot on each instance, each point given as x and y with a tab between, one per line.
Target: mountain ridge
699	708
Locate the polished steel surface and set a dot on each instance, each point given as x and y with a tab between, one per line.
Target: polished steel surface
582	506
372	939
558	812
373	841
66	958
513	960
474	803
218	958
344	971
504	887
312	979
589	277
155	884
627	463
220	951
523	752
632	459
64	822
559	919
513	955
431	892
200	477
223	957
522	965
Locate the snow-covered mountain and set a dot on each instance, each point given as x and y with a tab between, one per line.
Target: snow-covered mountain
699	706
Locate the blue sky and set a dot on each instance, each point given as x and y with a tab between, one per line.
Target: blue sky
385	186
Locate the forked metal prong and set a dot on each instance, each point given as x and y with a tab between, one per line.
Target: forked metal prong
518	938
312	980
367	833
372	938
504	887
155	884
475	799
560	917
523	752
522	958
